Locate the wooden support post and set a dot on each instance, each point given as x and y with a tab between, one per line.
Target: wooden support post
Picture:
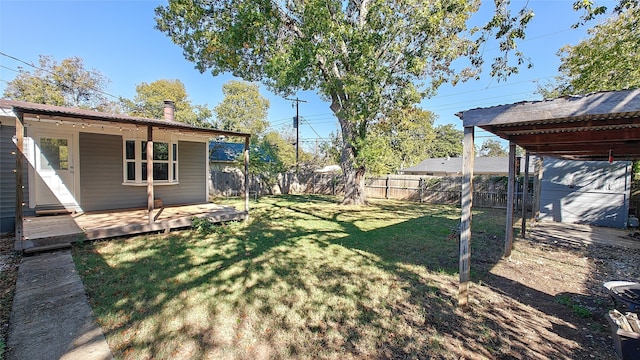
508	239
246	176
19	229
150	196
537	187
465	218
525	196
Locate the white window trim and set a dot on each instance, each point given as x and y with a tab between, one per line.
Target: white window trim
138	162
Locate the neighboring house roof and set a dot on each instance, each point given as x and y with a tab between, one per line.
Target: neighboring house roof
482	165
225	151
77	115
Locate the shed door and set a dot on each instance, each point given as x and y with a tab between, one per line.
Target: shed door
54	171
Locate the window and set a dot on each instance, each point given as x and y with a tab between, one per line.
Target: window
54	154
165	161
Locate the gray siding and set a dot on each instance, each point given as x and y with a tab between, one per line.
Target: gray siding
101	176
192	176
586	192
8	180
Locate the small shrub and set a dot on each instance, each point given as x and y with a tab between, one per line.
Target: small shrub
577	308
205	226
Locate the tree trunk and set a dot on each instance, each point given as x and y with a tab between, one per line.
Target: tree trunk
353	174
354	179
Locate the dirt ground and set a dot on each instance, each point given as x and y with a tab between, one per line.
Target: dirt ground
8	273
545	301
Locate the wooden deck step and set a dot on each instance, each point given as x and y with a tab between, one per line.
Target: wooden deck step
53	212
39	249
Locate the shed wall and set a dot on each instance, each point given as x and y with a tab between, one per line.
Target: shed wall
586	192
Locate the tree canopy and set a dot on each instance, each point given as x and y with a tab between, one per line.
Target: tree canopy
491	147
607	60
67	83
242	109
366	58
149	102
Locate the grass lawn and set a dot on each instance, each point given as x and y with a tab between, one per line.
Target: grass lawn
305	278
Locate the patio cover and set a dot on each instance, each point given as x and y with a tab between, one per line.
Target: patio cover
598	126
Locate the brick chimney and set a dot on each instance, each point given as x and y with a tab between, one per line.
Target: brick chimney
169	110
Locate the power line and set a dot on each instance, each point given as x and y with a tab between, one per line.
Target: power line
10	69
52	73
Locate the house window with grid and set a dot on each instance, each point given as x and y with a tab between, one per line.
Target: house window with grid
165	162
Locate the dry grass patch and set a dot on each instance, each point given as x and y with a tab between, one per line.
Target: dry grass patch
309	279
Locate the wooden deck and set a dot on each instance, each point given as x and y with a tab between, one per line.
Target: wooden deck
42	233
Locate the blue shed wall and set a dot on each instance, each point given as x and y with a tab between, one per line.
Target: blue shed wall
586	192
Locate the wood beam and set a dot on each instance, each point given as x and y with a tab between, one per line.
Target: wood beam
546	127
246	176
537	187
465	217
508	239
575	137
150	195
588	148
19	225
525	195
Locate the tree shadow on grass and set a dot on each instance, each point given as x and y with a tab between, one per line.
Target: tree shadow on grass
304	281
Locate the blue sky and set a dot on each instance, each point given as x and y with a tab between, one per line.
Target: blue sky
118	39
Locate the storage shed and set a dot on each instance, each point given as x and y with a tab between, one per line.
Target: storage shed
586	192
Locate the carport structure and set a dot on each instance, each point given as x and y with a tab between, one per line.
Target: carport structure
598	126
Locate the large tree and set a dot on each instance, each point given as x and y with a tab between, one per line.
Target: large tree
403	138
150	97
448	142
365	57
242	109
608	59
67	83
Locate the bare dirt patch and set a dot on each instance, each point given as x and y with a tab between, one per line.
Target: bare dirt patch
8	274
547	299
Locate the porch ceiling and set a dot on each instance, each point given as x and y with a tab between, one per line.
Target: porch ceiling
579	128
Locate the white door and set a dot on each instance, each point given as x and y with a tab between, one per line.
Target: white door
55	182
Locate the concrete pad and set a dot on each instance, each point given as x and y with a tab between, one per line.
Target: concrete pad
51	317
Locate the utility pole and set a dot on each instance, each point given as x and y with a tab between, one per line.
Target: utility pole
296	124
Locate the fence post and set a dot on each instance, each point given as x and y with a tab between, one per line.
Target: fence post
421	190
333	185
386	194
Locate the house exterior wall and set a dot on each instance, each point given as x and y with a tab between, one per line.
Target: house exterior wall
192	172
586	192
101	175
7	180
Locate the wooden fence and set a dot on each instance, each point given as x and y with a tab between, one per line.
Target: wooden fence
488	191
